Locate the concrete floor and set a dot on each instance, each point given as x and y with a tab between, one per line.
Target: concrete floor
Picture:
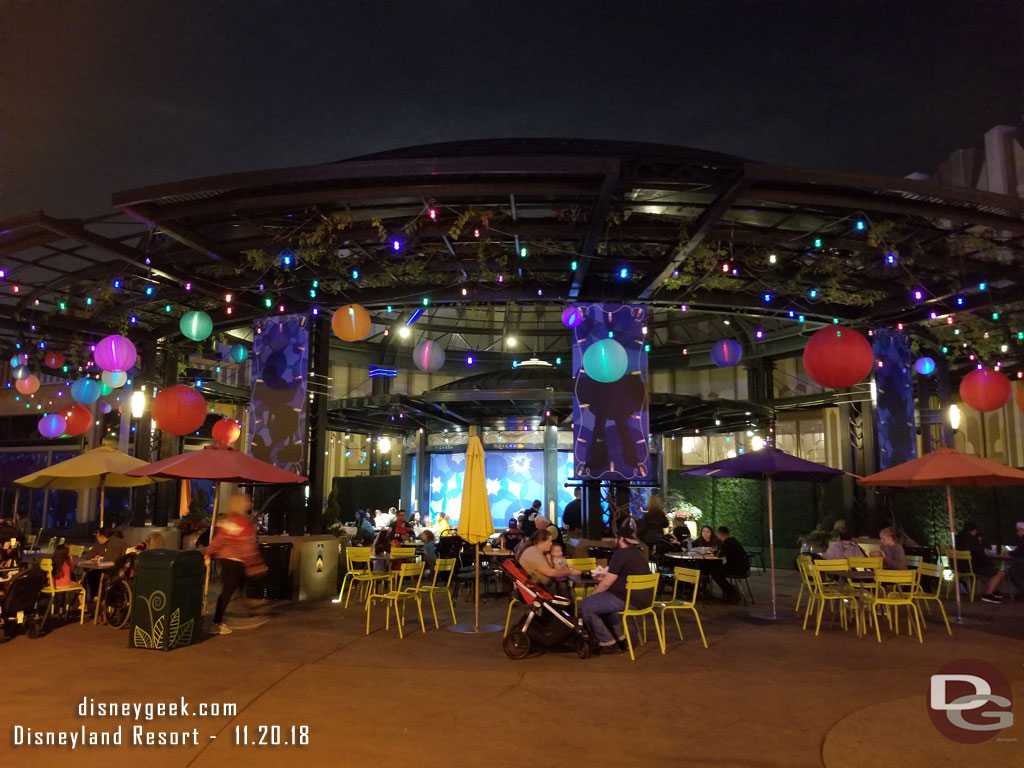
761	695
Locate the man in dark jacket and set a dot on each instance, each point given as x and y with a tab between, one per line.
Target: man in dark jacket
572	515
734	563
1016	569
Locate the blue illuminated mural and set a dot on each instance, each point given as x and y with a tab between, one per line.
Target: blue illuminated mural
514	480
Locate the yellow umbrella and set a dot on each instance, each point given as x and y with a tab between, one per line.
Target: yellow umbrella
101	467
475	520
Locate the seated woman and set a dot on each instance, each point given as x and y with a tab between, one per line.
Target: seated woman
653	523
893	556
364	528
706	538
62	566
844	548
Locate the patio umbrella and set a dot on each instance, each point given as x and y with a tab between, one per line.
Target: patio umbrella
224	465
102	468
475	522
947	467
769	464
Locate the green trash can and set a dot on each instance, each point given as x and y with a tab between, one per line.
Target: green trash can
167	607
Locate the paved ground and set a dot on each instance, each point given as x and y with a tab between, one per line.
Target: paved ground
761	695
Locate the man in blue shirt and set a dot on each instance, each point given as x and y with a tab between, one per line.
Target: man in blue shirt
601	609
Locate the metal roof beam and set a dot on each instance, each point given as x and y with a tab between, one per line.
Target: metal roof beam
597	217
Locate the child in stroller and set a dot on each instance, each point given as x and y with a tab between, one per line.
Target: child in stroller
20	603
548	622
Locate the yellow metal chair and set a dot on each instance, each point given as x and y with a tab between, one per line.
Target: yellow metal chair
639	584
358	571
76	550
864	563
441	567
829	591
924	596
689	577
803	566
964	567
403	553
889	592
407	588
913	561
585	565
50	589
51	544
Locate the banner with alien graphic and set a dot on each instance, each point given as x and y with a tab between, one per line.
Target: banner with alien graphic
611	423
277	412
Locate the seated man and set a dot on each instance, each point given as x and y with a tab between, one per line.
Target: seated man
534	560
844	548
735	563
601	609
400	530
1016	569
969	540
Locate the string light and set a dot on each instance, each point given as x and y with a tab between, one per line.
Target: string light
771	258
624	273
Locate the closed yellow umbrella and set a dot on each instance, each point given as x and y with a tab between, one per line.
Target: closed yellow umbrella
102	467
475	521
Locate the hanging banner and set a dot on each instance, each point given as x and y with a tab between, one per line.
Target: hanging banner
894	393
611	423
277	411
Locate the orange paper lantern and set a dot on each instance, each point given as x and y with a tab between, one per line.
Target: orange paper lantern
351	323
28	386
179	410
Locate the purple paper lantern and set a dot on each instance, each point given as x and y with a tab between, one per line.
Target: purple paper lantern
52	425
572	316
105	408
428	355
726	353
115	354
19	360
924	366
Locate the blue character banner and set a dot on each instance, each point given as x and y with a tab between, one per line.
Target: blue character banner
277	412
611	423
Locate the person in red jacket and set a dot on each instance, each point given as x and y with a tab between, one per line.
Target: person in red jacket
234	547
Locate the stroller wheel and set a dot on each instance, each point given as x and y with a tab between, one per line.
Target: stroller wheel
582	648
516	645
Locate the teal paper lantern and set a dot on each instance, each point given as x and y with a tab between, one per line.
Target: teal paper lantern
605	361
86	391
196	325
238	353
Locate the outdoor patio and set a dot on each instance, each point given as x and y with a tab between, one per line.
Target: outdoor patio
448	698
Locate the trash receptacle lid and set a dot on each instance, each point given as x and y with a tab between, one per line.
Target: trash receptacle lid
186	563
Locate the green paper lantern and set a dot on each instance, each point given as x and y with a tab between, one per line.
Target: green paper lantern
605	361
196	325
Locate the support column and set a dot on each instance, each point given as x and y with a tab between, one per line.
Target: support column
141	496
165	509
551	473
419	489
590	501
317	387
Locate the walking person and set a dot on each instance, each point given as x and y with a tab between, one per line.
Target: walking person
234	548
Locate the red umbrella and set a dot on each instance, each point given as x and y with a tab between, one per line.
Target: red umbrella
947	467
223	464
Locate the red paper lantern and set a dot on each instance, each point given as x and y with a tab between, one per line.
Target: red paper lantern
837	358
77	419
54	360
985	390
179	410
226	431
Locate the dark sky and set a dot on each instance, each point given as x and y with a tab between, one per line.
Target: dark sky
101	96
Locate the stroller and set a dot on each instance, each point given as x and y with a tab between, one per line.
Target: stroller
548	622
20	603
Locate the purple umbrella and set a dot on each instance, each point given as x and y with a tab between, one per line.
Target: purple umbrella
768	464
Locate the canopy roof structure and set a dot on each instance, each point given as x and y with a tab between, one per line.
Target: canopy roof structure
473	242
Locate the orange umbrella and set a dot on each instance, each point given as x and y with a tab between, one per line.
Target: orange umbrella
947	467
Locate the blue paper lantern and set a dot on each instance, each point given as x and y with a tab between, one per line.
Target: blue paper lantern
726	353
105	408
238	353
52	425
86	391
605	361
924	365
572	316
22	372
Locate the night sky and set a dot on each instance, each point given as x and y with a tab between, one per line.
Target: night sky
102	96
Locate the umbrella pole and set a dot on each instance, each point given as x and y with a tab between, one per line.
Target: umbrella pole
476	607
213	522
771	542
952	536
103	481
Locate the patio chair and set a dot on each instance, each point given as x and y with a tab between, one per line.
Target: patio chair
690	578
358	571
925	596
894	598
441	567
964	567
406	589
76	550
829	591
803	566
635	584
585	565
77	590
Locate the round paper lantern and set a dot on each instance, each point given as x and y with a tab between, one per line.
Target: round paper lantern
115	353
238	353
605	361
837	358
54	360
77	420
18	360
924	365
351	323
179	410
104	390
428	355
196	325
725	353
52	425
21	372
86	391
226	431
572	316
105	408
114	379
28	386
985	390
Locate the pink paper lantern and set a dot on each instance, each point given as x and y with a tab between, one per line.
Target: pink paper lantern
115	354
